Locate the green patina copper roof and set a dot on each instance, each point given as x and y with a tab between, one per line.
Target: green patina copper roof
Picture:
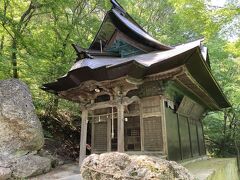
124	49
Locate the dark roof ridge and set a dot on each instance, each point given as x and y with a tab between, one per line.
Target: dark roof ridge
115	4
122	22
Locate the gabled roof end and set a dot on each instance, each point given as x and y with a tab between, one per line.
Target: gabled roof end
116	5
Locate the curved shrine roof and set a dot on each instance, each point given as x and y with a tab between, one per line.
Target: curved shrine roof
99	62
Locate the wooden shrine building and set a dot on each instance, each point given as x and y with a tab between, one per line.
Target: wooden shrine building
139	95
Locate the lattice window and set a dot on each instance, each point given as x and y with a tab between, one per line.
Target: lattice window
132	134
153	140
151	105
152	123
100	137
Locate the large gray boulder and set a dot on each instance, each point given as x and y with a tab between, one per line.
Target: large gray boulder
24	167
30	165
113	166
20	129
21	134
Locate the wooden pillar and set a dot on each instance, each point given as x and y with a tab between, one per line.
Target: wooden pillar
164	126
92	137
83	138
120	137
109	138
141	126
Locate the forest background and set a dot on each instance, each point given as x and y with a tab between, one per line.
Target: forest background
35	46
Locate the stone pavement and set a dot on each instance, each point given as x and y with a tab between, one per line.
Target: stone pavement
64	172
214	169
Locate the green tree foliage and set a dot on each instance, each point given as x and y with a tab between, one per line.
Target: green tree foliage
36	38
222	128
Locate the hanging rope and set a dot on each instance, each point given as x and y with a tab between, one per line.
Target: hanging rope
102	115
112	123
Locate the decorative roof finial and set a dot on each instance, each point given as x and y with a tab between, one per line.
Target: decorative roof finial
81	53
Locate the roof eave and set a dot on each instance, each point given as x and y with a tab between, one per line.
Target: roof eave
201	72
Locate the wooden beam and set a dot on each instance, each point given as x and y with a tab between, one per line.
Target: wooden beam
120	137
188	82
124	101
165	75
83	138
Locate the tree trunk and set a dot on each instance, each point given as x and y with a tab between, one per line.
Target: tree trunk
238	153
224	134
225	124
14	58
55	105
52	107
2	44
